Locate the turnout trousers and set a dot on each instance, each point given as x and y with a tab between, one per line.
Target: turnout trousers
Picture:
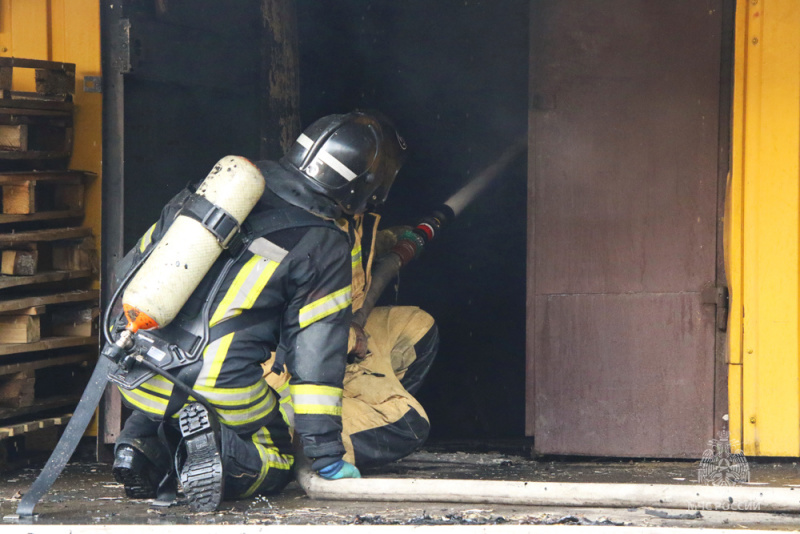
382	421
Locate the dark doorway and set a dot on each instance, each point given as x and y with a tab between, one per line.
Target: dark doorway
453	75
623	236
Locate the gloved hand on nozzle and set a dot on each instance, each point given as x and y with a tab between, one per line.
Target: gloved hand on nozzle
339	469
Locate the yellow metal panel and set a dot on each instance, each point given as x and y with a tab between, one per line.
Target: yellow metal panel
766	171
81	22
732	235
57	31
30	34
5	28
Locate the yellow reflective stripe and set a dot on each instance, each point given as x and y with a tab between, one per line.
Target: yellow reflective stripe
270	458
145	402
262	453
146	238
245	289
328	305
261	281
311	399
248	390
213	358
241	276
221	396
249	414
313	389
317	409
150	385
356	254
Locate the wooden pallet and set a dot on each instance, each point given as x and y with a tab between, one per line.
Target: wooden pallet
35	134
33	301
54	254
42	383
20	429
43	278
42	195
56	402
49	322
54	81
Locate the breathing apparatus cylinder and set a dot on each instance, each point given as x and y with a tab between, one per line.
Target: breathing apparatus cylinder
188	249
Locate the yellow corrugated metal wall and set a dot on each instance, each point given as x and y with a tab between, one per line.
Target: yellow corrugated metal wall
66	31
764	230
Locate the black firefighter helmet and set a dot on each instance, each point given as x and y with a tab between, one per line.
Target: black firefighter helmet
350	159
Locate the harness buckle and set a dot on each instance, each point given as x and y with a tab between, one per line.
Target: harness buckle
215	219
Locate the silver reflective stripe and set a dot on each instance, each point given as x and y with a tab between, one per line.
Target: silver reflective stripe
250	414
145	401
248	291
316	400
356	255
288	411
305	141
328	159
267	249
233	396
213	358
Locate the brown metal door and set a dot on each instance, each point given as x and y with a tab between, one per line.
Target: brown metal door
623	226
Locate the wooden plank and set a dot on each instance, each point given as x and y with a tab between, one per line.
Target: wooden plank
49	343
75	255
74	321
34	310
41	278
55	82
67	196
40	216
51	403
51	234
17	390
88	295
14	137
19	198
75	177
27	106
6	78
25	63
19	262
33	97
19	329
35	154
24	428
45	362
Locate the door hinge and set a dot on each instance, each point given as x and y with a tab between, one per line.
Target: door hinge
121	50
717	296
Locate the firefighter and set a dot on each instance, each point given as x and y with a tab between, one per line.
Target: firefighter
289	293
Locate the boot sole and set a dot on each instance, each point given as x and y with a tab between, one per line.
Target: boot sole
131	471
201	475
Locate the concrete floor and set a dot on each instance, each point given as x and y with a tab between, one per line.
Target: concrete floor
86	494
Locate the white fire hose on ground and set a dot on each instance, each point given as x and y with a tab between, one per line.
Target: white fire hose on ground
684	497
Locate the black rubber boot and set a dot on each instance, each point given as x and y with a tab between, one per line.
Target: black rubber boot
201	474
136	473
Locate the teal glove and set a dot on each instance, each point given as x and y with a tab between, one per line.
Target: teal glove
340	469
